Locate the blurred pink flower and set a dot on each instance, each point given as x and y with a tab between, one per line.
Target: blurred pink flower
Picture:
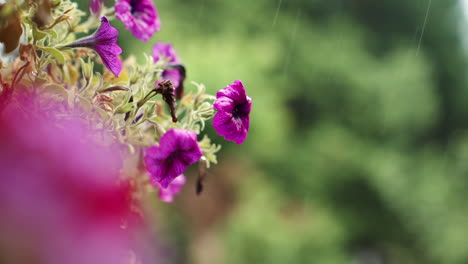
61	199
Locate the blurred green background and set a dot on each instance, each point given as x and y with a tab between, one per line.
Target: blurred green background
358	147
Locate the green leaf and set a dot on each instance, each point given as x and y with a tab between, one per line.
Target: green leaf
53	33
124	108
55	53
38	34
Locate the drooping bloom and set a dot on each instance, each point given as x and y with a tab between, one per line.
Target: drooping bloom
232	119
139	16
104	42
177	150
166	89
167	195
166	51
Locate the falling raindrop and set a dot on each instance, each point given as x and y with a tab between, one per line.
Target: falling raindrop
277	12
424	26
291	45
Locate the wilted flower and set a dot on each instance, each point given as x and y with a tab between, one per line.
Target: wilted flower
166	89
104	42
139	16
177	150
232	119
167	195
10	34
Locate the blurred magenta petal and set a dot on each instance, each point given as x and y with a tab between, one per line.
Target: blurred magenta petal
95	6
177	150
163	50
139	16
232	119
61	196
167	195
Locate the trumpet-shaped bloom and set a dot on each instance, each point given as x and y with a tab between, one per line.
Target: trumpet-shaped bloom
166	51
232	119
139	16
167	195
104	42
177	150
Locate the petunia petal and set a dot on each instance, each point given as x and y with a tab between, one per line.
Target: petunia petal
224	104
106	33
221	118
108	54
177	150
233	106
235	91
104	42
95	6
165	50
167	195
173	75
139	16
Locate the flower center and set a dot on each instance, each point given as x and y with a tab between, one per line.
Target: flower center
134	7
238	110
174	154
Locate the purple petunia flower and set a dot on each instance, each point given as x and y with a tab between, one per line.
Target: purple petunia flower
167	195
232	119
139	16
166	51
177	150
104	42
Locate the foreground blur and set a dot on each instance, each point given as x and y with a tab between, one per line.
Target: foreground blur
61	199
